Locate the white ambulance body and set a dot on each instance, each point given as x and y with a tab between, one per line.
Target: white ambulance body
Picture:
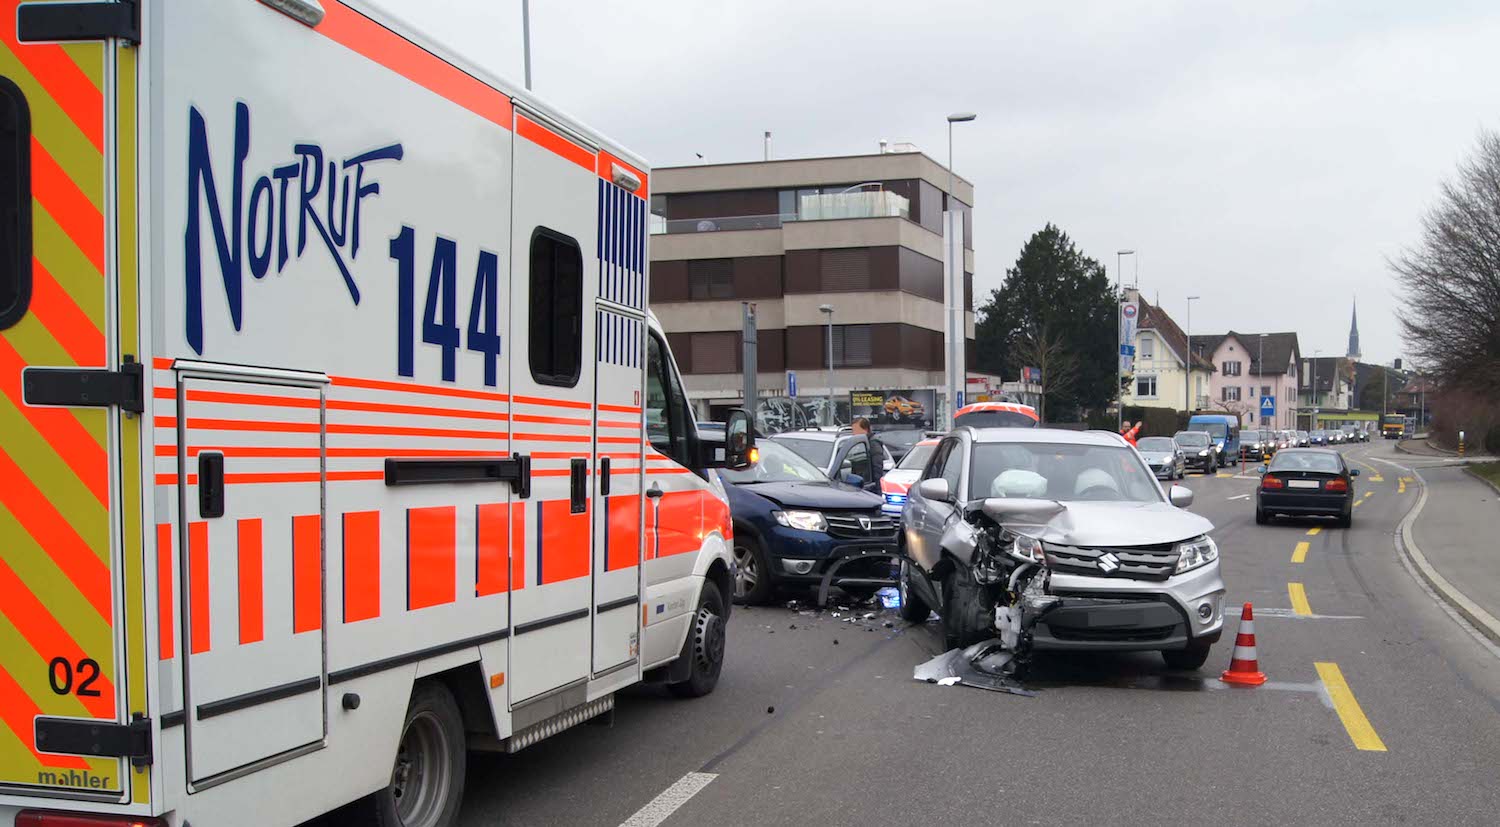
333	423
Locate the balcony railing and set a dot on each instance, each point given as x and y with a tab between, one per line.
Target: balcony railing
838	206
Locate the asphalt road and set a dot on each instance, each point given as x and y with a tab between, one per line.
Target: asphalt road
818	721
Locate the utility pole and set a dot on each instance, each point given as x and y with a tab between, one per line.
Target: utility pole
748	352
526	39
1187	381
827	311
1120	340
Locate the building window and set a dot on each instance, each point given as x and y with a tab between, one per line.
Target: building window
1145	386
1265	390
1231	394
711	278
851	346
846	269
1148	349
714	352
556	338
1230	368
15	204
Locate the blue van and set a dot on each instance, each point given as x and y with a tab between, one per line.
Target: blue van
1225	431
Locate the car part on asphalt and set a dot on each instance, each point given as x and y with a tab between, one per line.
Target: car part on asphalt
984	665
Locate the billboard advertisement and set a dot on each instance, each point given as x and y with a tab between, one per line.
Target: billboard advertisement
1129	311
895	407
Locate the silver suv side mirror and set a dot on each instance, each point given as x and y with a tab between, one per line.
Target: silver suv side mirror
935	489
1181	496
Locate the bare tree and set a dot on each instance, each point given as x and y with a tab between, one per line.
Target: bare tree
1451	279
1043	347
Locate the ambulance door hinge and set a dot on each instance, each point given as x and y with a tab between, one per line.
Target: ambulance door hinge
86	387
75	736
52	22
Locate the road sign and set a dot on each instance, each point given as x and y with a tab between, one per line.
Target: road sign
1267	407
791	384
1127	350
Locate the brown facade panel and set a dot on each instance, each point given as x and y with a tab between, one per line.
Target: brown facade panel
920	275
684	205
850	269
669	282
770	351
893	345
757	277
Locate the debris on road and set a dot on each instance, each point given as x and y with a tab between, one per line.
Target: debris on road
984	665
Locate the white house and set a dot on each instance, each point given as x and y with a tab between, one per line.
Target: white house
1162	377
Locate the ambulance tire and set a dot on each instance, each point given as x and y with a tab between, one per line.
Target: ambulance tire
433	753
705	645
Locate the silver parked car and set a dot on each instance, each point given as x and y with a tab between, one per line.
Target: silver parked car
1059	540
1164	456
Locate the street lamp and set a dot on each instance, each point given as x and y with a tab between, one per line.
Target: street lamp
1187	382
1119	339
1260	363
1313	425
956	374
827	310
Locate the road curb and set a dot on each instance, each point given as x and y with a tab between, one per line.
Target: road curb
1486	480
1487	624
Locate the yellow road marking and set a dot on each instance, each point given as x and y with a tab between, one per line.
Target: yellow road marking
1355	723
1299	599
1314	531
1357	503
1300	555
1223	476
1369	494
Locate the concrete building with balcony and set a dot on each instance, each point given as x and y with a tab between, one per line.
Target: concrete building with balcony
1166	374
862	234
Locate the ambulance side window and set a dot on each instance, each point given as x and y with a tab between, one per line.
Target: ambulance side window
556	341
666	413
15	204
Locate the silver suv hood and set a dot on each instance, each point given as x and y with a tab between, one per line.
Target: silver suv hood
1097	523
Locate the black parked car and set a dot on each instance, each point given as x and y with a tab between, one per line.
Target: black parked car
792	524
1307	482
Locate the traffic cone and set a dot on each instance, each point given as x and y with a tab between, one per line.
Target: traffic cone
1244	667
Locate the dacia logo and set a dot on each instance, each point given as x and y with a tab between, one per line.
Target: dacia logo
864	523
1109	563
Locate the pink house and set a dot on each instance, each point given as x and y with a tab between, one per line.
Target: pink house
1248	367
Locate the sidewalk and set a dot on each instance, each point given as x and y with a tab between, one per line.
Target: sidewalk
1421	447
1456	532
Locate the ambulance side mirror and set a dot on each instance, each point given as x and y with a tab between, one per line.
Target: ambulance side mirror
739	441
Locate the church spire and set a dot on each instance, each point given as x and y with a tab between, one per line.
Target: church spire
1354	332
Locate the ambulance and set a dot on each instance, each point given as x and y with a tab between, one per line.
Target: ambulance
336	437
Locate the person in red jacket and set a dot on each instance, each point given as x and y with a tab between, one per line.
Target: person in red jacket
1130	431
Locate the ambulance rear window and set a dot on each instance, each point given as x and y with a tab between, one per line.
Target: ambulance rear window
15	204
556	340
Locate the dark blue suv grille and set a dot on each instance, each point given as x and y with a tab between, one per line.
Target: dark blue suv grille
866	526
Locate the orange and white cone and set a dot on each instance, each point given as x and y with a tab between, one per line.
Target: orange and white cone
1244	667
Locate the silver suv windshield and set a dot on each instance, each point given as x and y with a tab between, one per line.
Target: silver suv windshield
1058	471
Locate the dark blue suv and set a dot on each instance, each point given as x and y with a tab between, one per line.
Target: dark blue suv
792	524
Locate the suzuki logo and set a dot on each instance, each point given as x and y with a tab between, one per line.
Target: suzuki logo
1108	563
864	523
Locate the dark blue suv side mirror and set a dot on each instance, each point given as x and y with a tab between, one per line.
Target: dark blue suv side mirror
854	479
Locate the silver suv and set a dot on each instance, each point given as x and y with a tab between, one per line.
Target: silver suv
1059	540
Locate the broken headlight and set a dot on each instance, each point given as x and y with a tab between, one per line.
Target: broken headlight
1195	553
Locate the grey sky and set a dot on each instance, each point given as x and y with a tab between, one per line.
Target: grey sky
1266	156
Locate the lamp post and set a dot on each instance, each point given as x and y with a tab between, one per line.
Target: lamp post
1260	356
827	311
955	326
1187	382
1313	425
1119	358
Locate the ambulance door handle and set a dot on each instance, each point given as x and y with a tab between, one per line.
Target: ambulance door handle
578	488
210	484
604	477
654	492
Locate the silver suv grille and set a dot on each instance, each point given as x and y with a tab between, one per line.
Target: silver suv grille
1156	562
861	525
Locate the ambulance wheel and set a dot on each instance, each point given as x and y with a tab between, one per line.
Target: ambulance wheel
705	646
427	782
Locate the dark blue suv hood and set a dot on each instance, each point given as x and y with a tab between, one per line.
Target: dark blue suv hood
815	495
